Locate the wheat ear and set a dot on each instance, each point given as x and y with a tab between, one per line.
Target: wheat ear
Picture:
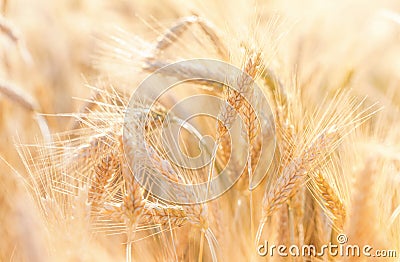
331	201
108	167
294	173
164	215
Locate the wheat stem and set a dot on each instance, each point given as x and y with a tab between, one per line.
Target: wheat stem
201	248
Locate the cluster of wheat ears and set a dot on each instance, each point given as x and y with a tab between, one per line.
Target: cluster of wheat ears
332	89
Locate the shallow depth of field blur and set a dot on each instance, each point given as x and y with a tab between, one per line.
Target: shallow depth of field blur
317	49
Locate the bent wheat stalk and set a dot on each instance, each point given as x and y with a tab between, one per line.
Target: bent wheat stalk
173	33
18	96
14	35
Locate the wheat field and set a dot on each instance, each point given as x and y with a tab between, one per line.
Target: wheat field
311	172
